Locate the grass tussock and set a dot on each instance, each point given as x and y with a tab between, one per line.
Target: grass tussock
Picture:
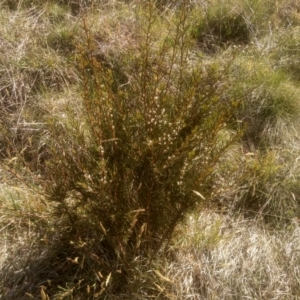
149	150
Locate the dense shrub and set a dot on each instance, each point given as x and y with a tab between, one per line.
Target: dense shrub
139	157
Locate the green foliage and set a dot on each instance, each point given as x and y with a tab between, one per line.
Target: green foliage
130	165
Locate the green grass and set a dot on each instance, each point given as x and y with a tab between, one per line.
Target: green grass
149	150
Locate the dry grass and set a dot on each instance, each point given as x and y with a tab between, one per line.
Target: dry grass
224	257
24	225
246	245
30	67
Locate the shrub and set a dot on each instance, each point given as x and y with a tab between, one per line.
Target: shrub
129	166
